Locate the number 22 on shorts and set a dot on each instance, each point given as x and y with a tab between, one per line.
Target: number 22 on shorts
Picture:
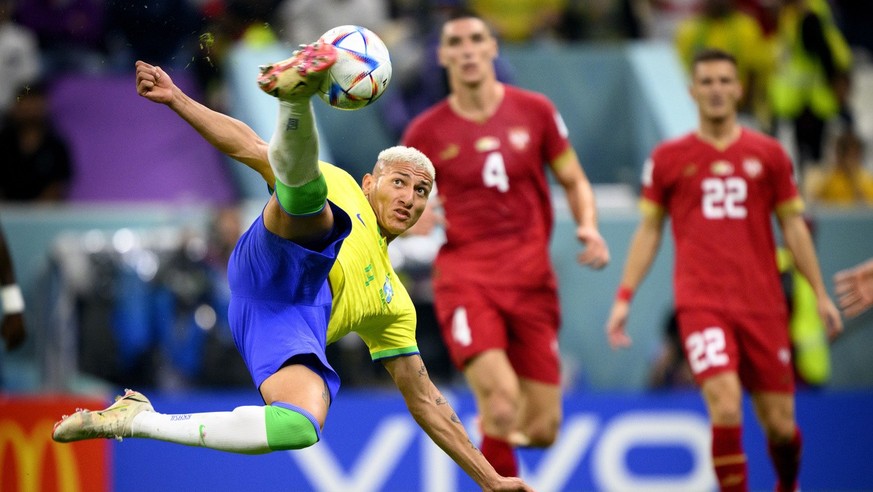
706	349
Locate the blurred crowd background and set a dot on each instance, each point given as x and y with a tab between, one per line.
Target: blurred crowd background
121	219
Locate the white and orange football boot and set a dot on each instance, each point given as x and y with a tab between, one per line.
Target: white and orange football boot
299	76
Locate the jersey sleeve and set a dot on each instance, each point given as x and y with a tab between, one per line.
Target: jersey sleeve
652	190
787	196
398	338
557	136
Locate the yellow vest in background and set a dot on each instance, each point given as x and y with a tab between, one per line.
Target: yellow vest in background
808	334
800	80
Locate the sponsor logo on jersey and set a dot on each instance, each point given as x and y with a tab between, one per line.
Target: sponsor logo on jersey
721	168
450	152
487	144
519	138
752	167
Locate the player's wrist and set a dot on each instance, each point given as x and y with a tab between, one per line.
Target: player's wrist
11	299
624	293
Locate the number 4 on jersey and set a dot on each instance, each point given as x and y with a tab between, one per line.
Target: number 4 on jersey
494	173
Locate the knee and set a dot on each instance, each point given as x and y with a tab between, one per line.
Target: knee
779	428
543	432
725	412
500	410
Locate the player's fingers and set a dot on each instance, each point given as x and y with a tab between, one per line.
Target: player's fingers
853	310
843	286
848	299
619	340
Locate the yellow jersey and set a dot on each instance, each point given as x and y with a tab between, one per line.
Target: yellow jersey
368	297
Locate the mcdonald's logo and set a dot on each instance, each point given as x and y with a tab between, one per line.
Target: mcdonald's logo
31	462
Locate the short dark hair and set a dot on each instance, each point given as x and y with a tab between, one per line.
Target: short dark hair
713	54
462	12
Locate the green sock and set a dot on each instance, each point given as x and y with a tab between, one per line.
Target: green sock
307	199
290	427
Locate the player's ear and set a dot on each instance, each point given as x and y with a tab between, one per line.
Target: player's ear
441	56
367	183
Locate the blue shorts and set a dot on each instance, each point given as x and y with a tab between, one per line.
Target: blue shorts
281	300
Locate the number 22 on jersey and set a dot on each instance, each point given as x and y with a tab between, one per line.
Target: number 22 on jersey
724	198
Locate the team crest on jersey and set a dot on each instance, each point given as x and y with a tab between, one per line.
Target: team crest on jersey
519	137
387	290
450	152
752	167
721	168
487	144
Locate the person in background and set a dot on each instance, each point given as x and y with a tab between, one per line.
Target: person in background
720	186
811	78
19	56
846	183
36	164
11	300
495	290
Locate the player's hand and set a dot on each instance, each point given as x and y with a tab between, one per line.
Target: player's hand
616	333
596	253
831	317
153	83
13	330
509	484
854	288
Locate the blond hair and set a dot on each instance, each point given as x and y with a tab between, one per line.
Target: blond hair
400	154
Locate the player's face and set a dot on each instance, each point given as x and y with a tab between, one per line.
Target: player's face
467	50
716	89
398	194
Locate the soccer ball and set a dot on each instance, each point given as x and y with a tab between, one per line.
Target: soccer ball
362	69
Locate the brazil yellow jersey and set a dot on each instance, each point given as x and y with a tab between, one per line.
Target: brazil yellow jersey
368	297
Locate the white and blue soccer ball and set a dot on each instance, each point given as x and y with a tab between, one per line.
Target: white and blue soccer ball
362	70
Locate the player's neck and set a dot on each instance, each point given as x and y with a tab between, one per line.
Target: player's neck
477	103
719	133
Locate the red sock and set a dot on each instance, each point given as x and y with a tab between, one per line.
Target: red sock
728	459
501	456
786	461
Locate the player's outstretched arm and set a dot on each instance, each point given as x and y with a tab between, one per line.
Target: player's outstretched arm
644	246
434	414
799	242
229	135
580	197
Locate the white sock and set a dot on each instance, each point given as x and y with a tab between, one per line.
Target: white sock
244	430
294	145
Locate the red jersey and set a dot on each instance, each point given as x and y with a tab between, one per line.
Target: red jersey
720	204
492	182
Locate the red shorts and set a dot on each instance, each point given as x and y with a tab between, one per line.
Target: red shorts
522	322
756	347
